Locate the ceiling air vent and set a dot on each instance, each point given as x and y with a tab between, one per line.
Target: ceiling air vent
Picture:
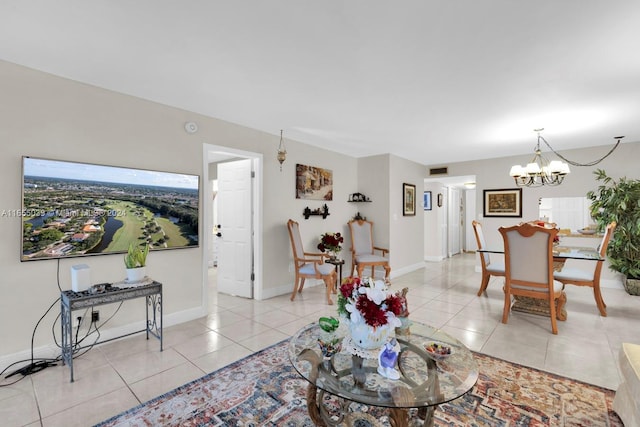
438	171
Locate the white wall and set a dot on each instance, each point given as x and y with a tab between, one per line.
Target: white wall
406	243
434	220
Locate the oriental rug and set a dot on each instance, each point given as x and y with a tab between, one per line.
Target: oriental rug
264	390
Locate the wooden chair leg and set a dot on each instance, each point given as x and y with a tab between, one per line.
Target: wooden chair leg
302	279
507	307
484	283
295	288
329	282
373	271
552	312
602	307
359	269
387	272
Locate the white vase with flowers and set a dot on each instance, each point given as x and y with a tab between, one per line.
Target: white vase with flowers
370	309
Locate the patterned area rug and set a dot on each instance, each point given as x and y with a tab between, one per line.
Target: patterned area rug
264	390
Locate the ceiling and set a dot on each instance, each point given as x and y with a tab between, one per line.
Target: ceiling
431	81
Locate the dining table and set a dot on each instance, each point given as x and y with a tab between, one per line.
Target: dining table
561	254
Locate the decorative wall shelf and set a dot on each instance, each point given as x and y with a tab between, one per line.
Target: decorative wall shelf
358	198
323	212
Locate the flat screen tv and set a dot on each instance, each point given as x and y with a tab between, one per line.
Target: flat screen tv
72	209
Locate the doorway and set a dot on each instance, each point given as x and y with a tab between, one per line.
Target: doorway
212	156
450	223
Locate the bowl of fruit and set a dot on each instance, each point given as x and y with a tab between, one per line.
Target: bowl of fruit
438	350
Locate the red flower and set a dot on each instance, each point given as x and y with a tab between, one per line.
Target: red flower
348	285
394	302
373	314
330	242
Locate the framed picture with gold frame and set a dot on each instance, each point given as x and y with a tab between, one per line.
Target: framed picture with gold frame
408	199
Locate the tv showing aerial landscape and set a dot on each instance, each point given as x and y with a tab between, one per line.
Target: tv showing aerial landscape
74	209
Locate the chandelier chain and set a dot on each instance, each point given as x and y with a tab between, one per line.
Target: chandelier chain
593	163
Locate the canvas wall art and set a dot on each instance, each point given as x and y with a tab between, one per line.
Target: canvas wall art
313	183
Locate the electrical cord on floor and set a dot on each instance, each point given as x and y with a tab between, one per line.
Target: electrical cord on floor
34	365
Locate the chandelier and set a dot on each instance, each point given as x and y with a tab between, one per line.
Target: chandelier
540	171
282	152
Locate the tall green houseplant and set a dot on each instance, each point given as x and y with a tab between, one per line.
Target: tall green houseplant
619	201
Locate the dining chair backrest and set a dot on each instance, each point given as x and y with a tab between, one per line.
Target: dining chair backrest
477	230
604	243
361	236
529	254
296	240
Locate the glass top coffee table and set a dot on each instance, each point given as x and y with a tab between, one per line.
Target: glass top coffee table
425	382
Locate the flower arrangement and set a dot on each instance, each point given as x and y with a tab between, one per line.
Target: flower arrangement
365	300
331	242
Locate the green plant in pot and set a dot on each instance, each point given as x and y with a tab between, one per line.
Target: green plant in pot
135	261
619	201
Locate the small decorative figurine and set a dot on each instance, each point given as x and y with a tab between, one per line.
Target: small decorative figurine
387	360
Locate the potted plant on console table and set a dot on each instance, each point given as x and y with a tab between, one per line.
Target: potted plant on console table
135	261
619	201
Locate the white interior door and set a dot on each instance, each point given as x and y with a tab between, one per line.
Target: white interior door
455	230
235	256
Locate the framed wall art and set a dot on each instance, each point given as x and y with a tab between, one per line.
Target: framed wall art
408	199
427	201
503	203
313	183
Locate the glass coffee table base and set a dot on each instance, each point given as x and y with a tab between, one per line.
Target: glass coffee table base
321	416
399	417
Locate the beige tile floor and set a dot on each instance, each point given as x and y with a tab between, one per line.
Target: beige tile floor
119	375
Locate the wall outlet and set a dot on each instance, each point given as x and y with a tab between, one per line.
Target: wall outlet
95	316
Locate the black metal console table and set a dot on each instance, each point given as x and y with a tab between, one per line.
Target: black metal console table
108	294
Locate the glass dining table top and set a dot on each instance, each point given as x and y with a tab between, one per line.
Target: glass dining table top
424	381
561	252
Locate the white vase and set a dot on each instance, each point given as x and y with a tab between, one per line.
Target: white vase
136	274
368	337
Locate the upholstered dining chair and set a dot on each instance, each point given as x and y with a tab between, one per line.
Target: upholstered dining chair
590	275
489	268
528	251
363	252
309	264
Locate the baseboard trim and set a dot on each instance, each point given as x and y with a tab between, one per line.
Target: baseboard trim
408	269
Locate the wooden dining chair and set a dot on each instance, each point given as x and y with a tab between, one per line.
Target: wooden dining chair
363	252
489	268
528	251
590	275
309	264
